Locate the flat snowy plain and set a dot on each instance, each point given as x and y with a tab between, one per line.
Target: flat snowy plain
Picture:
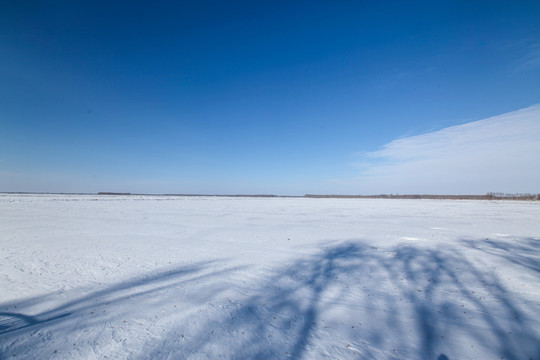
147	277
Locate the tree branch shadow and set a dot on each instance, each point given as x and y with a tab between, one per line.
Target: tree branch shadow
525	252
357	301
101	308
351	300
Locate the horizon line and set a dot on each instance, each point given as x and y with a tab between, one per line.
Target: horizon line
487	196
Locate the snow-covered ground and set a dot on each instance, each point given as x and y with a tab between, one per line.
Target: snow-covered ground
97	277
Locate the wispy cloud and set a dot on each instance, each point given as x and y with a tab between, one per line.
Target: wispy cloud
501	153
523	54
530	59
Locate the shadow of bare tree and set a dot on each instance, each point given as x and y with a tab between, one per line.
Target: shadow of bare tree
357	301
352	300
114	304
524	253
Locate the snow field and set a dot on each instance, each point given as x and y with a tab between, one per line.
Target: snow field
95	277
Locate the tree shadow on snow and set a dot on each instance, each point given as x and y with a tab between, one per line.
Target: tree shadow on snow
82	311
525	252
357	301
351	300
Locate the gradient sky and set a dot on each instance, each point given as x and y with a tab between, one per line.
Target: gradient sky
277	97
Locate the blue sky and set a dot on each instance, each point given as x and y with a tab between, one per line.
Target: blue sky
259	97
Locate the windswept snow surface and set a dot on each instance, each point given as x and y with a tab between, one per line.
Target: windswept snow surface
141	277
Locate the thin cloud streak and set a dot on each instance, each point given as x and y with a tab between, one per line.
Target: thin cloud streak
501	153
531	59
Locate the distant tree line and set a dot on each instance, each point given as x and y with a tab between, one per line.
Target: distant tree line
510	196
488	196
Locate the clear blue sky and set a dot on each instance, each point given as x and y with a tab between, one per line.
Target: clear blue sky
278	97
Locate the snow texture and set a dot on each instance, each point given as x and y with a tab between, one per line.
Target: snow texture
141	277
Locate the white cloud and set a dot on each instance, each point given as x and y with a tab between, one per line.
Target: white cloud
501	153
